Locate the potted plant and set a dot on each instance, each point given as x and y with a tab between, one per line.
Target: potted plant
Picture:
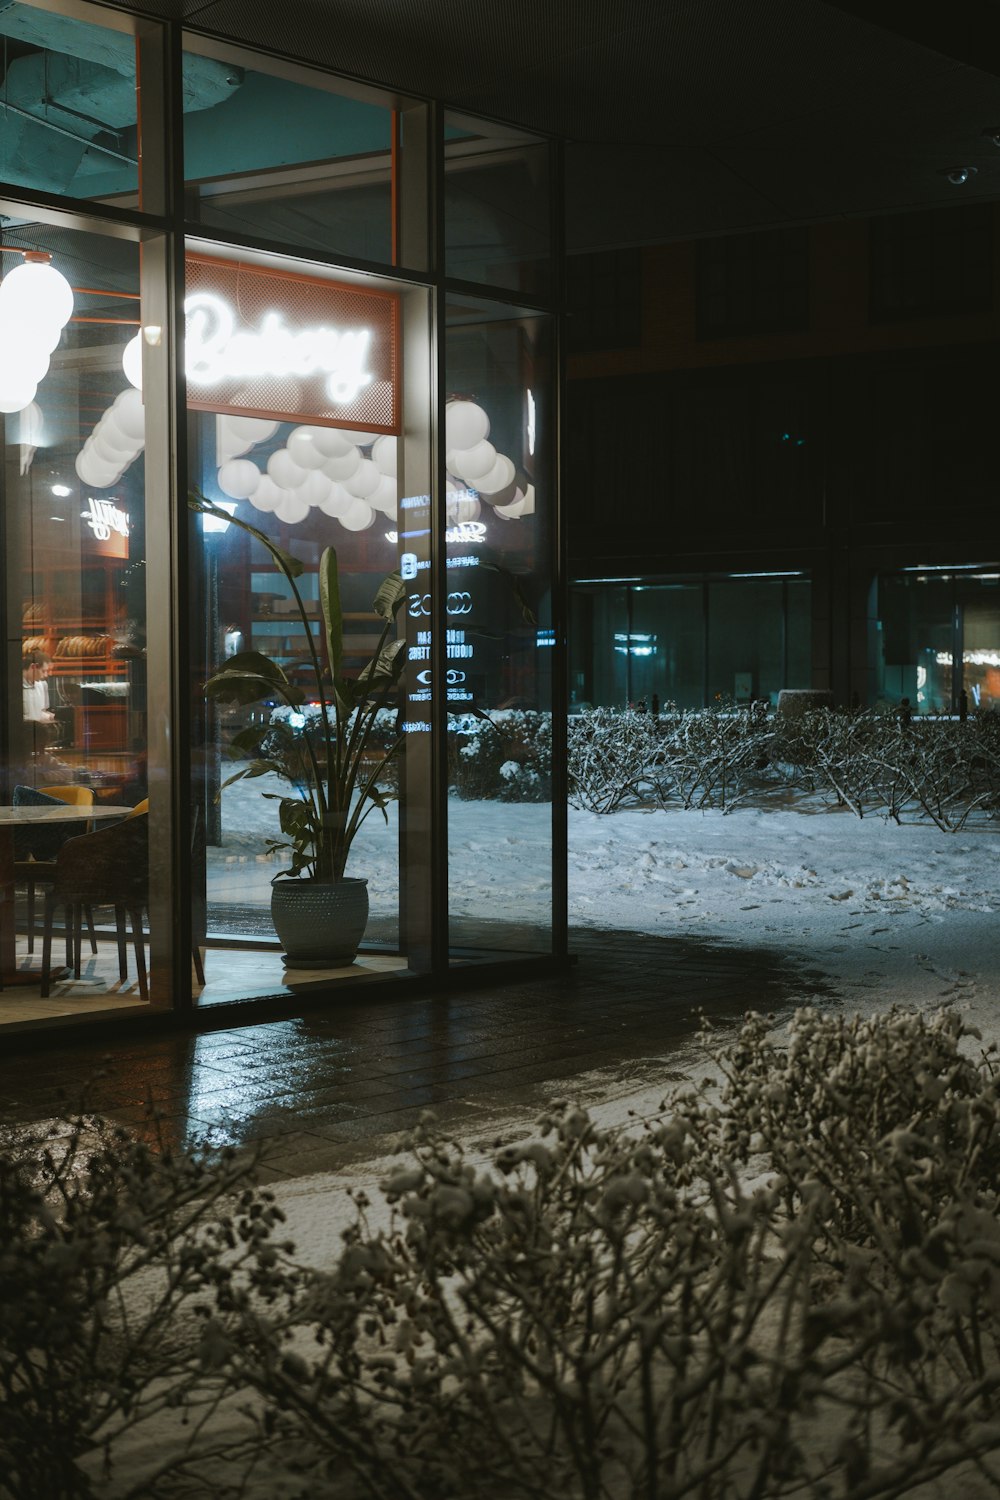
329	749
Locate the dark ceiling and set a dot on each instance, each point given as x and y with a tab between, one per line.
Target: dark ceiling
683	117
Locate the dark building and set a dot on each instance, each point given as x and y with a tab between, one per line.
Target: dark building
781	457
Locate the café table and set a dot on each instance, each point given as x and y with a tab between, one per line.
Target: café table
19	817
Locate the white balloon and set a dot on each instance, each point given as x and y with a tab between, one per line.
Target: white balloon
93	471
498	478
304	448
332	442
314	488
358	517
132	361
515	509
384	455
343	465
337	501
130	414
284	470
364	481
107	452
254	429
267	495
291	509
383	497
239	479
529	501
465	509
465	424
112	436
471	464
361	439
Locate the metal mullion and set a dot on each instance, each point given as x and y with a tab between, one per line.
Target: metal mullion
168	526
559	588
440	928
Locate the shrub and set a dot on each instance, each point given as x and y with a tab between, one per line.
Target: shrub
784	1283
630	1313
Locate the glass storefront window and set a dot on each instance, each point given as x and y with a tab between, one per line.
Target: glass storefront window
73	505
274	387
68	104
929	619
497	206
318	177
691	642
500	637
273	454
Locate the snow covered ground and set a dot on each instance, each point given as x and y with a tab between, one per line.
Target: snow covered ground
887	912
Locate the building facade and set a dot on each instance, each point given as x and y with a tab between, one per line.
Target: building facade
332	312
780	465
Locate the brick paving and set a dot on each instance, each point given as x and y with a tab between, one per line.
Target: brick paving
338	1085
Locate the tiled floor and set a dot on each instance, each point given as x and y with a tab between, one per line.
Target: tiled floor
332	1086
230	974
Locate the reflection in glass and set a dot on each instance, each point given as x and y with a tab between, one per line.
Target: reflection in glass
929	619
691	642
499	629
68	105
497	206
318	178
73	513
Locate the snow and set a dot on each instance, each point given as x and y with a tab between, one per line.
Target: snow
883	912
886	912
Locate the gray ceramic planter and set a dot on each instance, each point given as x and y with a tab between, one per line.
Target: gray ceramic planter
319	924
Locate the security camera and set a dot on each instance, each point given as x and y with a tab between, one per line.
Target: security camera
957	176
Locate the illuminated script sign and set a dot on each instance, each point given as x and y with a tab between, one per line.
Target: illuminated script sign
270	343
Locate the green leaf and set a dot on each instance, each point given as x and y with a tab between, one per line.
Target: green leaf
389	597
333	619
255	768
383	670
289	565
248	677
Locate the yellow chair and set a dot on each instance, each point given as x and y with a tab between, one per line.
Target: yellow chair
40	869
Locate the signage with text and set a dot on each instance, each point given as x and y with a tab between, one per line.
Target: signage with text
276	344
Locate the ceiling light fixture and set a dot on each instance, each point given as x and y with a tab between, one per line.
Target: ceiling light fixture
36	303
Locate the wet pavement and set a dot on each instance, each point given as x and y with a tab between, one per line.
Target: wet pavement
337	1086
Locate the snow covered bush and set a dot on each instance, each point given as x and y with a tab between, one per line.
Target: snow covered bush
505	755
792	1289
615	759
111	1251
873	761
786	1283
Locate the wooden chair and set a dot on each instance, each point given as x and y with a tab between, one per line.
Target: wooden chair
35	849
107	868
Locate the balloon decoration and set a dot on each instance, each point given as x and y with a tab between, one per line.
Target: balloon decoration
352	476
115	442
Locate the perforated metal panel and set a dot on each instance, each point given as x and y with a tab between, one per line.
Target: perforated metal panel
294	348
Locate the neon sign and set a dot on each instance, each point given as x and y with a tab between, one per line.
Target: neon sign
104	517
216	350
263	341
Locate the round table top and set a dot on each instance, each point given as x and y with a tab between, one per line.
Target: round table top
67	814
